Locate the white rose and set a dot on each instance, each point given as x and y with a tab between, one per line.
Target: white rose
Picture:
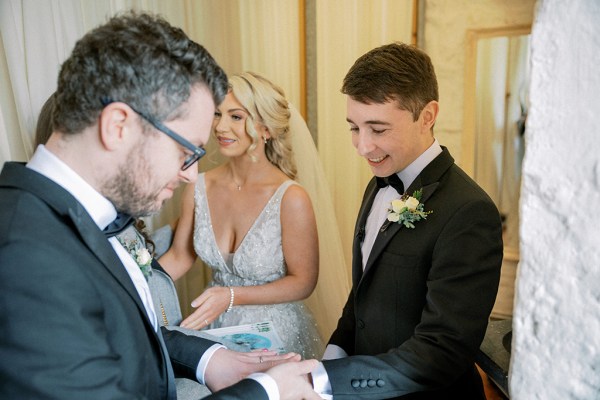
143	256
412	203
398	205
393	217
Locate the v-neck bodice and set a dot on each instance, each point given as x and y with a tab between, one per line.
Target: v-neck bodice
259	257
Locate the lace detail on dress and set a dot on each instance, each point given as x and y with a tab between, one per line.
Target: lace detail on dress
258	260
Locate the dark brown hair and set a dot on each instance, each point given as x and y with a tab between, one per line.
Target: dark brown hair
43	129
136	58
395	71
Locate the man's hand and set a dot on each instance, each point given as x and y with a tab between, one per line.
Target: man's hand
227	367
292	380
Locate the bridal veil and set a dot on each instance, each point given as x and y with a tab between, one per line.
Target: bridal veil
331	293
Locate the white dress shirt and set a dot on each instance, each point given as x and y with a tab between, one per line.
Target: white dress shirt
376	218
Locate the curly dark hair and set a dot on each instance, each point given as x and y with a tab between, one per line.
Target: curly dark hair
395	71
137	58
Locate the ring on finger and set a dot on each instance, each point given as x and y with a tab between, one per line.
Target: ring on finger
206	321
260	360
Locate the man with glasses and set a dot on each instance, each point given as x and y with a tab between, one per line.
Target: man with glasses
79	319
195	152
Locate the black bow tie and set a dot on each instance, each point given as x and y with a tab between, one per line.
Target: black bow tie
118	225
393	181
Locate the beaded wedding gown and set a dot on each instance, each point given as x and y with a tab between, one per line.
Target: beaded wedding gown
258	260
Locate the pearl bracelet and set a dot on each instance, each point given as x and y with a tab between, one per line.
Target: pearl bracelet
232	296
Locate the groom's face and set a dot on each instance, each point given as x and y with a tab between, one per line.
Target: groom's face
386	136
153	169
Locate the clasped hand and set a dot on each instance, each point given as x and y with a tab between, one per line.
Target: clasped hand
227	367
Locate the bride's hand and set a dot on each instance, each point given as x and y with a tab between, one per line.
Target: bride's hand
209	305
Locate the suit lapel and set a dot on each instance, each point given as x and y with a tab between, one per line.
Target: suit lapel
428	182
96	241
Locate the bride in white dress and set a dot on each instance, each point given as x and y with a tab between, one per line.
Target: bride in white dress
251	223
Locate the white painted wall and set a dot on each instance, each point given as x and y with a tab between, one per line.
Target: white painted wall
556	327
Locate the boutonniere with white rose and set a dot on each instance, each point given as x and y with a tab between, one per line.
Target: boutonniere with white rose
140	254
407	210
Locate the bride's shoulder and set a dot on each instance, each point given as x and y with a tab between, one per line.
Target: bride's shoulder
295	196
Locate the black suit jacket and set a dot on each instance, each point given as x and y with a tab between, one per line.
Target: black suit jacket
73	324
416	316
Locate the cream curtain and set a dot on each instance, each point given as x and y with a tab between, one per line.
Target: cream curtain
262	36
36	36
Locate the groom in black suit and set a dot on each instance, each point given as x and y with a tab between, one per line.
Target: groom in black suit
427	249
134	104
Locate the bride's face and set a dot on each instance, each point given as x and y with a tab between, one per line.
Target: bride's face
229	127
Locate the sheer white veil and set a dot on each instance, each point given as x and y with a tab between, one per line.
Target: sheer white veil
331	293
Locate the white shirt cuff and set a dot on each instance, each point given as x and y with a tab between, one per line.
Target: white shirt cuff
201	369
321	383
268	383
332	352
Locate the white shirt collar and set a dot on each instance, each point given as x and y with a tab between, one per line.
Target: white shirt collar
98	207
409	174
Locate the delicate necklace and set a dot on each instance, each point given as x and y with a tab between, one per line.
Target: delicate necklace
237	185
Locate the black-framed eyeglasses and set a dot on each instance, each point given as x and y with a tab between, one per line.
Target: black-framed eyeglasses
197	152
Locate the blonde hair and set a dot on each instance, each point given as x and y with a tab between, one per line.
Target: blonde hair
265	103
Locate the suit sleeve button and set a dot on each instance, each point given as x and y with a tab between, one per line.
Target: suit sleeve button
355	383
380	382
363	383
371	382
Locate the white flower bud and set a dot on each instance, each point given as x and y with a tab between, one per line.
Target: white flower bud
412	203
393	217
398	205
143	256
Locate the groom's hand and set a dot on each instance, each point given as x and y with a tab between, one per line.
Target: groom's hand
227	367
